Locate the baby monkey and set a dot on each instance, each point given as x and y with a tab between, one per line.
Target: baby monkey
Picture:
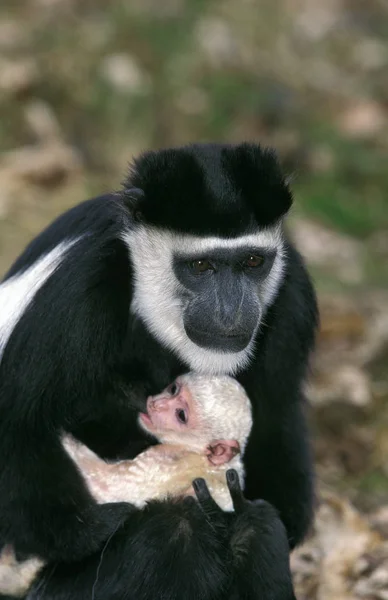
202	424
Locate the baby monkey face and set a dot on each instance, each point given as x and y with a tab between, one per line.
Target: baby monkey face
171	410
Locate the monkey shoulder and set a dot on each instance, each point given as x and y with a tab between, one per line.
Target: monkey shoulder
96	219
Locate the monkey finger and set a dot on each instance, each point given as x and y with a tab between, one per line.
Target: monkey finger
233	482
206	502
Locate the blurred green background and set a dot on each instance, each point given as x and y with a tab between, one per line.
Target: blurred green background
85	85
108	79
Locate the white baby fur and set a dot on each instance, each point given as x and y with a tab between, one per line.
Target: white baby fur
17	292
157	295
224	413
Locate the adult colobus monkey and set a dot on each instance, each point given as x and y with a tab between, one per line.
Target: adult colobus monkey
188	268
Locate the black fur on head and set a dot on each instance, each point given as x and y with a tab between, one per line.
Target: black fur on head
208	189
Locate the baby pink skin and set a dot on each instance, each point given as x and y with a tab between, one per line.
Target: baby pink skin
162	410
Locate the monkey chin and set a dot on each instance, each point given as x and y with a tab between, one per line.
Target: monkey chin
145	422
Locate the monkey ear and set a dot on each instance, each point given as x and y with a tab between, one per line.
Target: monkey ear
221	452
133	198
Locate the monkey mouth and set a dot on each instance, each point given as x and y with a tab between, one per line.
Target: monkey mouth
145	419
214	340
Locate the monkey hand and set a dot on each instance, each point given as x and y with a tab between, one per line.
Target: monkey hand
246	513
259	545
254	540
217	519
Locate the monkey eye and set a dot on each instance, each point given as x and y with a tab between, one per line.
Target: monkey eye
173	389
253	261
181	415
201	265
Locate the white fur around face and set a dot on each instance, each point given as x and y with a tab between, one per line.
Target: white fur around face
17	292
157	292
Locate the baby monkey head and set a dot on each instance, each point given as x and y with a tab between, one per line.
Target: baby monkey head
208	415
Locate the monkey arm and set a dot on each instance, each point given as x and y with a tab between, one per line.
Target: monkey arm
98	475
260	550
171	550
153	474
284	478
55	372
196	551
278	456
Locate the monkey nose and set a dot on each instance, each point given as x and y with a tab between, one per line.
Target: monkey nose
150	403
157	404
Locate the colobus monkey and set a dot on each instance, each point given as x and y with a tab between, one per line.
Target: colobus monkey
202	425
186	268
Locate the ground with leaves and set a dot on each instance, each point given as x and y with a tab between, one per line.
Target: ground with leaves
86	85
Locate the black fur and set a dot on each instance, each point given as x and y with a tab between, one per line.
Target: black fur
210	189
78	360
193	551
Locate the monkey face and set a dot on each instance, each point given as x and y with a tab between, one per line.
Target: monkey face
222	295
172	410
209	416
